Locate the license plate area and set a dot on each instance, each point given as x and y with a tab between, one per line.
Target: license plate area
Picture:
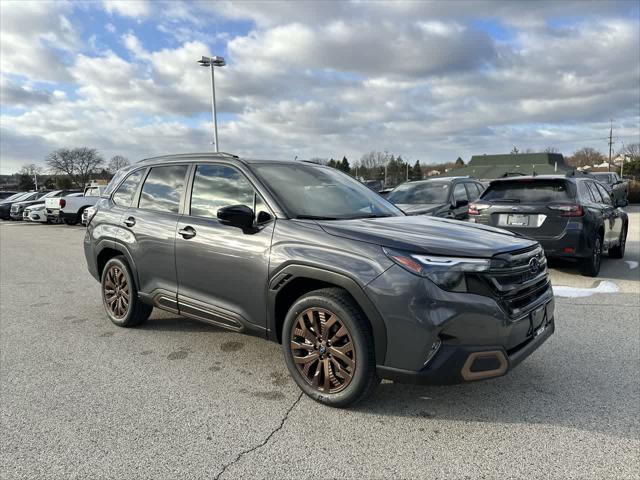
517	220
538	320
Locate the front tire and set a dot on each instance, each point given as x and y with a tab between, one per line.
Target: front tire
120	296
590	266
328	348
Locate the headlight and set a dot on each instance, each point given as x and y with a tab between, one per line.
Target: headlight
446	272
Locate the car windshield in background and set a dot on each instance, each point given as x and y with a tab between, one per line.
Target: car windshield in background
604	177
420	193
323	193
15	196
528	191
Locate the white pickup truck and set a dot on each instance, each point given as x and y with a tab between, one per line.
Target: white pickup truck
69	209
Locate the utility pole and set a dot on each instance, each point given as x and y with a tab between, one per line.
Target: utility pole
610	145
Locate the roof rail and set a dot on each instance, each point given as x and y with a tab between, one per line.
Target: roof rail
227	154
512	174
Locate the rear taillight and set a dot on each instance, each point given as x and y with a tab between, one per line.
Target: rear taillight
476	208
568	210
63	202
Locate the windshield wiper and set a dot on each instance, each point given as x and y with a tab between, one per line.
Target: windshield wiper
506	200
315	217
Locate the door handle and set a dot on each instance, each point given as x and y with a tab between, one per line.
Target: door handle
130	222
187	232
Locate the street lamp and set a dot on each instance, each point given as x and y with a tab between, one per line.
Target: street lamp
213	62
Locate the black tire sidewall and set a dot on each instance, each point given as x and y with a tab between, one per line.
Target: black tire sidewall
133	294
364	368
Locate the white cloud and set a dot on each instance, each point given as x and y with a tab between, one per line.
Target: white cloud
128	8
321	79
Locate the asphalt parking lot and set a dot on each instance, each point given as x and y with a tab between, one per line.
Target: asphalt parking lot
82	398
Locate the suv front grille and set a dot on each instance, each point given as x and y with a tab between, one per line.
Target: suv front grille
518	281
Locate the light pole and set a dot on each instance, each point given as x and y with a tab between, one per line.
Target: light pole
212	62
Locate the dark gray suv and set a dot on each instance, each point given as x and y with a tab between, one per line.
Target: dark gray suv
305	255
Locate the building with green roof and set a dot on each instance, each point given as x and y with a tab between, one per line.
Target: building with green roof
490	167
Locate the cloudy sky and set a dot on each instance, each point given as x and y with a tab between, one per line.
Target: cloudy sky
429	80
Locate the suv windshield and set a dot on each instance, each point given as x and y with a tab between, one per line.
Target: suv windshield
323	193
528	191
418	193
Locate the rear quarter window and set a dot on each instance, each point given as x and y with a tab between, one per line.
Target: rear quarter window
529	191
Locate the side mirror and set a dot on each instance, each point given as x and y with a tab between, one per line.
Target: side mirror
461	203
239	216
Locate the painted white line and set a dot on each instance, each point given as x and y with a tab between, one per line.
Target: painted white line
576	292
631	264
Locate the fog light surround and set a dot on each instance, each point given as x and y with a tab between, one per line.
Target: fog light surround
435	346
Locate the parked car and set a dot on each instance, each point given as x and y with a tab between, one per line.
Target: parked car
18	207
52	206
375	185
571	216
305	255
71	207
35	213
440	197
5	205
6	194
617	187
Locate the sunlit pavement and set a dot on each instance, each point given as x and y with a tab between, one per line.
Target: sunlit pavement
81	398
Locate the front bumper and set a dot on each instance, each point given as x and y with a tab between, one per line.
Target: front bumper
16	215
418	315
457	364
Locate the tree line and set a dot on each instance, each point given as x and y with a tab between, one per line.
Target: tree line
70	168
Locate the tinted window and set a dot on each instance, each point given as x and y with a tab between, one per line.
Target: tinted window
605	195
217	186
126	191
460	193
594	192
420	193
585	192
528	191
162	189
472	191
306	190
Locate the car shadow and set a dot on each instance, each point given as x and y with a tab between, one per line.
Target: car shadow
525	396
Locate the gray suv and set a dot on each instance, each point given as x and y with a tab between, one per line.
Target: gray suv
305	255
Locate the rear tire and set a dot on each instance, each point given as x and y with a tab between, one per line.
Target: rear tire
590	266
335	363
120	296
70	220
618	250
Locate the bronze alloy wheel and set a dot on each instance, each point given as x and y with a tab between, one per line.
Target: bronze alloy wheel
116	292
323	350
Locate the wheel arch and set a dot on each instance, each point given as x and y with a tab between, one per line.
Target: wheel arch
111	249
293	281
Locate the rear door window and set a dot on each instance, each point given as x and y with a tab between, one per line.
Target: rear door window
124	195
605	195
594	192
472	191
163	189
528	191
460	194
585	192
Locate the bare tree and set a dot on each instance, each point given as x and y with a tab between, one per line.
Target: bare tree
632	151
77	163
117	162
31	169
586	156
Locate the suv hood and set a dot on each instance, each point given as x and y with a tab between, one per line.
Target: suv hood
420	208
424	234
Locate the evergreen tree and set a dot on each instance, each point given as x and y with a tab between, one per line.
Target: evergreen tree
344	165
416	171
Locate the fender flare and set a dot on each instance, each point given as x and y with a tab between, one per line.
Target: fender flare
119	247
292	271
